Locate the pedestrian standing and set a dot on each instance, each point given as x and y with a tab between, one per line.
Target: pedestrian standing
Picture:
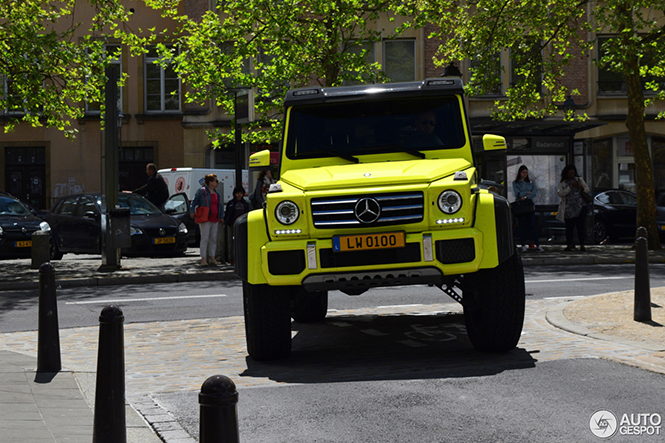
525	189
572	208
156	190
236	207
262	186
207	196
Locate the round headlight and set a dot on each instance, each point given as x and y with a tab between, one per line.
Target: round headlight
450	202
287	212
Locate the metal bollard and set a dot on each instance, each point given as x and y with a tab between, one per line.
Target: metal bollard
40	251
642	310
219	411
48	336
109	422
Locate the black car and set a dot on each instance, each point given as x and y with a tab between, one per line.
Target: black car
614	215
17	223
76	227
660	216
178	206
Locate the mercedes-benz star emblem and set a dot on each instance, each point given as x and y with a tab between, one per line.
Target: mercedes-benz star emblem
162	232
367	210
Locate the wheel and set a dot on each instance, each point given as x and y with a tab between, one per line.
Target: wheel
600	231
494	301
267	321
309	307
55	252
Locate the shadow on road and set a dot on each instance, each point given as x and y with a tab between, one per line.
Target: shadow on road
371	347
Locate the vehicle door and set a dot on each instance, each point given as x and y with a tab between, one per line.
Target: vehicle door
627	212
89	226
63	224
178	206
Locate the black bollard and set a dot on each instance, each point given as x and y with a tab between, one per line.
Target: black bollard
48	336
642	310
219	411
109	423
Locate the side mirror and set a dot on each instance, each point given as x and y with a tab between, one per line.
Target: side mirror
494	142
259	160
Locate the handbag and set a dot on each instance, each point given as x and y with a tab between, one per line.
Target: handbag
202	212
586	197
523	207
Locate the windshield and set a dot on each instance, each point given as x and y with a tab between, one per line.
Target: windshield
356	128
9	206
137	206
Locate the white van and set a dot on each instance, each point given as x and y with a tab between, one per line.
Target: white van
189	180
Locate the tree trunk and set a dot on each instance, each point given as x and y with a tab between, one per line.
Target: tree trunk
646	199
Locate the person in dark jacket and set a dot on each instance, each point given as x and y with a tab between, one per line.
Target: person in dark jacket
236	207
155	189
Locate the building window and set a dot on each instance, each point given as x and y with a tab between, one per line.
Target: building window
113	54
399	60
366	49
491	73
526	56
162	85
612	82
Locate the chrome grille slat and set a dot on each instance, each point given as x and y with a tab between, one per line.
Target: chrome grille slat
396	208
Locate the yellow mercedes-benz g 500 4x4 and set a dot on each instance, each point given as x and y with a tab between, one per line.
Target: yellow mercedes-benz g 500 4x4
378	187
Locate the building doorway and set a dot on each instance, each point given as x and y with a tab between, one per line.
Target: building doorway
25	174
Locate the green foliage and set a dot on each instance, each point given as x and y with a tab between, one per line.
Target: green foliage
273	46
46	73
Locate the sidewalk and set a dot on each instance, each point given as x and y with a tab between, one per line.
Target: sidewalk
39	407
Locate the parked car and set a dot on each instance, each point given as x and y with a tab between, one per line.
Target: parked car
17	224
660	216
178	206
75	222
614	215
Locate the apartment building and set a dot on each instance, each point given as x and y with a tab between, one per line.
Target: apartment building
40	164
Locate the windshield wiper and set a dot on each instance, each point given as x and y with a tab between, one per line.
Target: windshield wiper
323	152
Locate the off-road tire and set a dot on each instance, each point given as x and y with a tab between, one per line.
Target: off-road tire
309	307
267	321
494	301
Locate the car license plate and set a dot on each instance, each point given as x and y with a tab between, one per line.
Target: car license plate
23	244
369	241
163	240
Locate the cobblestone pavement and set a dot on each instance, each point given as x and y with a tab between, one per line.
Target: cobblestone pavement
180	355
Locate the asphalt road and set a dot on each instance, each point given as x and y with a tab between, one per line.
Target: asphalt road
184	301
535	403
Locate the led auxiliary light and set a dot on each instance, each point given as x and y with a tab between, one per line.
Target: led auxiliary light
449	221
288	231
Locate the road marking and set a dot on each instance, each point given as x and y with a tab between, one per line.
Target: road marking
576	279
398	306
129	300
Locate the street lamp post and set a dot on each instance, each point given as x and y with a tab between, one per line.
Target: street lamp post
244	113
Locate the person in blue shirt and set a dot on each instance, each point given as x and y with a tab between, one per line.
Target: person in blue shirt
524	189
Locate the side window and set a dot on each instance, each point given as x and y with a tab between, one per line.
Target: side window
86	205
68	206
604	198
628	199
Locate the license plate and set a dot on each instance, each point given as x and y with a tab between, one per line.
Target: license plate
369	241
23	244
163	240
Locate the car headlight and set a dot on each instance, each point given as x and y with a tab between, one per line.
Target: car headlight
287	212
450	202
2	231
45	227
182	229
135	231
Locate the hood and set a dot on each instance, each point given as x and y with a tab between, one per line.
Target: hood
17	222
373	174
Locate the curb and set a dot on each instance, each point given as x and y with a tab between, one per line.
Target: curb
556	318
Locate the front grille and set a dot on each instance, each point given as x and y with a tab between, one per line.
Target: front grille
395	209
408	254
